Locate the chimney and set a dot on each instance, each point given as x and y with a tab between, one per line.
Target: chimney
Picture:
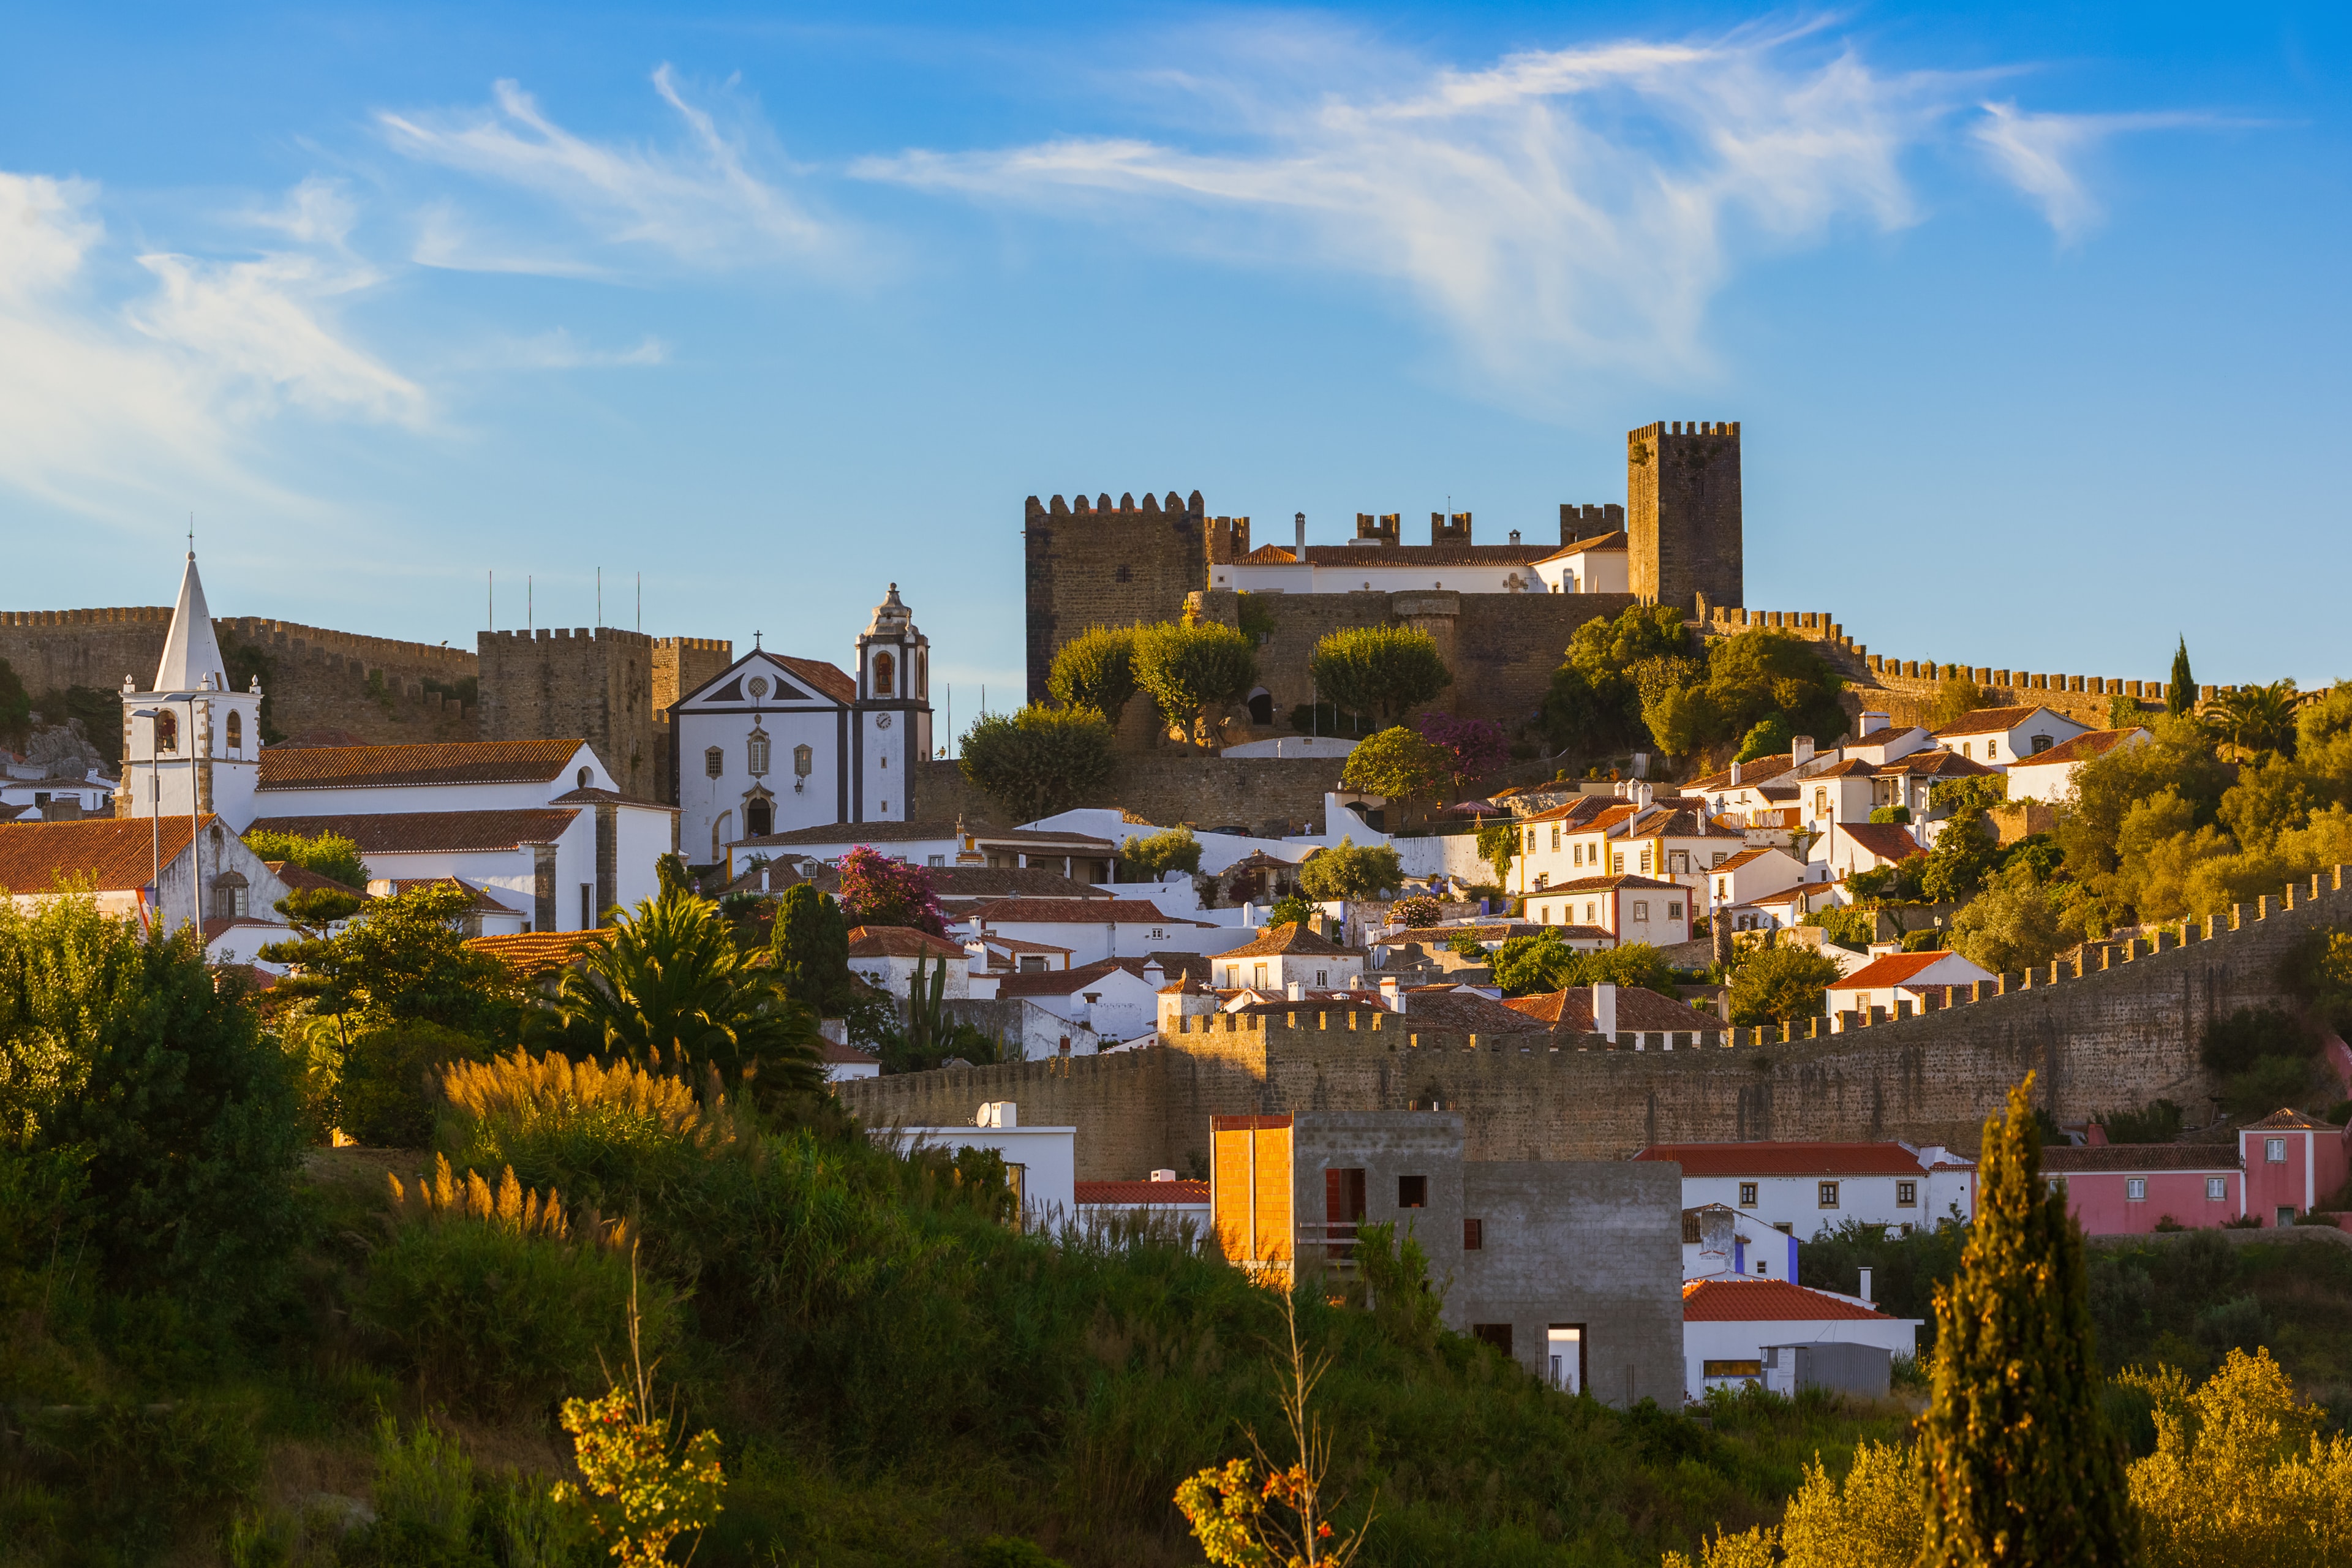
1296	991
1863	1291
1872	723
1734	775
1302	535
1163	1175
1155	974
763	880
1605	1009
1641	764
1801	750
1392	994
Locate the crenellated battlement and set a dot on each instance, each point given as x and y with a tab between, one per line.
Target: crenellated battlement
1101	508
696	645
556	635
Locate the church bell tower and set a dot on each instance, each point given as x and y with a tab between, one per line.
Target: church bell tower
190	743
892	718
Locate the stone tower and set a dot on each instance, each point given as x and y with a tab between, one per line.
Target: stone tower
1091	562
567	683
893	712
1682	513
190	743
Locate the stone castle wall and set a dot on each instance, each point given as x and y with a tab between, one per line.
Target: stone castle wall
1092	562
1683	525
1164	787
2119	1032
1503	648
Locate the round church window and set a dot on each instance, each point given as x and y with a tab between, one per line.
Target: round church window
759	686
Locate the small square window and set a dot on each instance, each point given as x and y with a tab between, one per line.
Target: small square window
1473	1235
1761	1267
1673	912
714	762
2217	1189
1785	1228
1906	1195
1617	863
1829	1195
1640	909
2274	1151
1748	1195
938	860
1412	1192
2135	1189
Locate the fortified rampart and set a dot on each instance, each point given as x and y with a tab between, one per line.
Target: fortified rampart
1090	562
377	688
1265	794
2113	1029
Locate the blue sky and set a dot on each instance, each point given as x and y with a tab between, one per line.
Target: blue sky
2036	322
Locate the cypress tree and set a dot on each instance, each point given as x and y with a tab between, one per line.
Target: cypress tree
2180	697
809	947
2020	1468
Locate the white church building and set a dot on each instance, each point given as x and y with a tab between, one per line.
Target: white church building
537	830
774	743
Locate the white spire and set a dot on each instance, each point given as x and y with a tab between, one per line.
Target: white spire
191	652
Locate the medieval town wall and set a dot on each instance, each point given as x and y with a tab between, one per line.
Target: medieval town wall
1170	787
2113	1029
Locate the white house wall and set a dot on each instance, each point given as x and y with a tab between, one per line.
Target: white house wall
1795	1201
1717	1341
369	800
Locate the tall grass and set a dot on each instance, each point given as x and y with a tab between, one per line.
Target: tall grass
600	1131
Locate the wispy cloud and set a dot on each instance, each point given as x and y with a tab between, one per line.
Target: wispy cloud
1557	210
109	407
703	205
2042	155
559	350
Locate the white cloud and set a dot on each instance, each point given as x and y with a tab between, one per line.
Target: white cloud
2040	153
1555	210
559	350
703	205
108	408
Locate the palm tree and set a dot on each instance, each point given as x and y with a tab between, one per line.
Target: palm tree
669	989
2254	718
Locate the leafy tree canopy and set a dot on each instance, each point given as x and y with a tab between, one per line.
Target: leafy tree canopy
405	959
1768	737
1473	748
1041	760
1956	695
1191	672
1781	984
1096	670
1150	859
1398	765
808	950
1348	871
324	854
1961	860
1384	671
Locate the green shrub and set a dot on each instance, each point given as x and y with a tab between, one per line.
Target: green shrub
1041	760
328	855
494	1315
1150	859
1346	871
2155	1123
2233	1044
388	1094
125	1058
1096	670
125	1480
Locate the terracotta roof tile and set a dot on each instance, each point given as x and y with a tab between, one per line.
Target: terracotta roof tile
2080	749
1291	936
533	954
1753	772
1639	1011
2062	1158
1616	541
829	679
592	796
1465	1011
1764	1300
1598	884
1934	762
427	832
1065	982
1788	1159
1073	911
855	833
1392	556
2287	1118
1132	1194
297	878
1887	840
1890	969
113	855
1993	721
900	941
378	767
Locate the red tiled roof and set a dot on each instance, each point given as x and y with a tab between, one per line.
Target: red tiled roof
376	767
1887	736
1639	1011
1616	541
2287	1118
113	855
1291	936
855	833
1417	555
1787	1159
1015	944
1753	772
1993	721
1596	884
1746	856
297	878
1890	969
1466	1012
427	832
829	679
1853	767
533	954
482	899
1073	912
592	796
1934	762
1582	812
900	941
2062	1159
1065	982
1887	840
1130	1194
1764	1300
1268	556
2080	749
835	1053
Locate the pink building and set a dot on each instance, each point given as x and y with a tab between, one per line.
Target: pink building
2281	1167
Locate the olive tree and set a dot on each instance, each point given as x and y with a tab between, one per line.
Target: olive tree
1380	670
1191	672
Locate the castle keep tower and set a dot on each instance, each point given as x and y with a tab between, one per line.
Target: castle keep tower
561	682
1682	507
1090	562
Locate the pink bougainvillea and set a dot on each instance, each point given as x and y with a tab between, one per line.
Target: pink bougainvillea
877	891
1475	747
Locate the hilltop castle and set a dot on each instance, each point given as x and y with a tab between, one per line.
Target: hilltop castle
1676	541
